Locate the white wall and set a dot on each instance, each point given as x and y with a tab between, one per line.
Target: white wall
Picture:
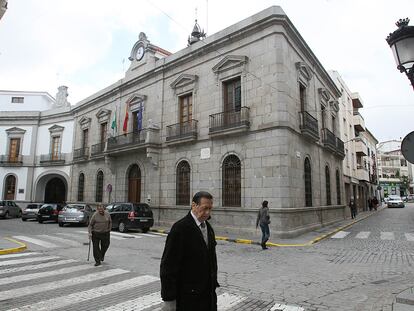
21	180
43	140
32	101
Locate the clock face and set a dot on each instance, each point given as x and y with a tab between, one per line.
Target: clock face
140	53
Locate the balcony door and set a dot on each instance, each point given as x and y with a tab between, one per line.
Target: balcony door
14	149
55	148
232	101
134	184
186	112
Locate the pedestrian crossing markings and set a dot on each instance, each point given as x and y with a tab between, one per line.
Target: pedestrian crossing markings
385	236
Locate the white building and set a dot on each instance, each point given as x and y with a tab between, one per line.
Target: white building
36	133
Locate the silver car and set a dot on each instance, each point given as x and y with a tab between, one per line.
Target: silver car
395	201
75	214
9	209
30	212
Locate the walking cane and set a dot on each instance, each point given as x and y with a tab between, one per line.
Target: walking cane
89	248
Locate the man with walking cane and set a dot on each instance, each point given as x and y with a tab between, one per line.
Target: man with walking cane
99	232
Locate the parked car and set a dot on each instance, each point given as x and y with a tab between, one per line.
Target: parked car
410	197
127	216
49	212
30	212
395	201
75	213
9	209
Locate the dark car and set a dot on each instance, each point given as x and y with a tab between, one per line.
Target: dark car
75	214
127	216
9	209
30	212
49	212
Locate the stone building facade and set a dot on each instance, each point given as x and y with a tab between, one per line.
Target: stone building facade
248	114
36	133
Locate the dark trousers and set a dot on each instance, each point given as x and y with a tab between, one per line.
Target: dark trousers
353	213
100	243
265	232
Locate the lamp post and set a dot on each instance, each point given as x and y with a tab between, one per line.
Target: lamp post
401	42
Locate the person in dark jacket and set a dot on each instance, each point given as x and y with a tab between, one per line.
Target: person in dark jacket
188	269
263	219
353	208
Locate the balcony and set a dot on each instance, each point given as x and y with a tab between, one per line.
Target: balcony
182	132
329	140
231	122
309	126
361	148
359	123
98	149
81	154
134	141
11	160
340	148
362	173
52	159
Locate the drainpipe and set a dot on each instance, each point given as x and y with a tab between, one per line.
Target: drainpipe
159	168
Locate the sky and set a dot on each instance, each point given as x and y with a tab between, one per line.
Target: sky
85	44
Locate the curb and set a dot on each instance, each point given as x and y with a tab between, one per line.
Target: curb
310	243
21	248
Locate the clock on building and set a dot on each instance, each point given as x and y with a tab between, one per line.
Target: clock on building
140	53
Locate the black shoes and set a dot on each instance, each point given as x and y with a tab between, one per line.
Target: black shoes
98	263
263	245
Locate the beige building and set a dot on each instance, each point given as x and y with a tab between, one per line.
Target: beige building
248	113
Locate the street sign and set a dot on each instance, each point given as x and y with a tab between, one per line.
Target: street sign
407	147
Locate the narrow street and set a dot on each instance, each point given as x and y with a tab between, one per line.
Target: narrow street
360	268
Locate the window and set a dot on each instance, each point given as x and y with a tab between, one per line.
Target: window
231	181
85	137
103	133
10	190
81	187
55	149
308	183
232	95
338	188
302	95
17	100
183	184
99	187
328	186
323	115
186	108
14	149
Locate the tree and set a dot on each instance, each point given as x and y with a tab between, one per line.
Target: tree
405	183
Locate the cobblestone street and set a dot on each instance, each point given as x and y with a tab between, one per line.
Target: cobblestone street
362	267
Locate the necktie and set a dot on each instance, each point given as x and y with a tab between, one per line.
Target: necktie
203	228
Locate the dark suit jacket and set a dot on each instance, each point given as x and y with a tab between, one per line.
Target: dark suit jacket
189	268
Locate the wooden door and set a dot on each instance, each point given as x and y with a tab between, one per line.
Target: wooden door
134	184
10	190
14	149
55	147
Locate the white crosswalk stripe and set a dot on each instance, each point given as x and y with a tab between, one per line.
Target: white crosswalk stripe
280	307
139	304
387	236
226	301
64	301
60	240
409	236
363	235
33	289
125	235
35	241
27	277
340	235
18	255
38	266
112	236
26	260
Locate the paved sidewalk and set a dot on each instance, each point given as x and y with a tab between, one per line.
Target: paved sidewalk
8	246
306	239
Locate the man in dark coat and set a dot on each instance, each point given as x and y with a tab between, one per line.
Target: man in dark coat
189	263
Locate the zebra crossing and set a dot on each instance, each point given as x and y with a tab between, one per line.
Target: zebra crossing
27	279
365	235
75	238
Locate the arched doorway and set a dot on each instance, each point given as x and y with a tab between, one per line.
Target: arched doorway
10	189
231	181
55	191
134	184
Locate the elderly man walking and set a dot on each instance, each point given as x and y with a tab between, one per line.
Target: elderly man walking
99	230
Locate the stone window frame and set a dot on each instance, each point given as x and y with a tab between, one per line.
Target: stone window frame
55	131
181	163
229	68
308	181
224	198
85	124
15	132
185	85
99	191
338	186
304	77
328	185
81	194
103	115
6	185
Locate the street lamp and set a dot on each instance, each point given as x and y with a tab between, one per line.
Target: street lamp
401	42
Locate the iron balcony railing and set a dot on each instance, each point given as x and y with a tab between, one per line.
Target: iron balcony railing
81	153
11	159
182	130
52	157
98	149
340	147
309	124
229	119
128	139
329	139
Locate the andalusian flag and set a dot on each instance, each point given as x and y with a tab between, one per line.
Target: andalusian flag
113	125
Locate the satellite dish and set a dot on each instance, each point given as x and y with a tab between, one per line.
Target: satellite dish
407	147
